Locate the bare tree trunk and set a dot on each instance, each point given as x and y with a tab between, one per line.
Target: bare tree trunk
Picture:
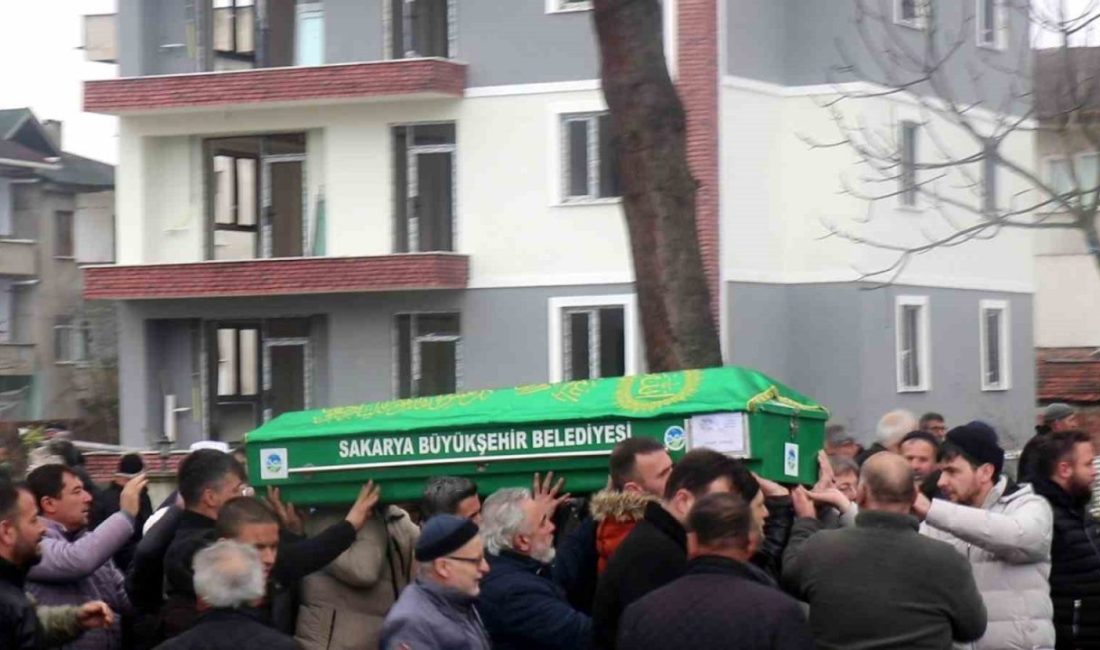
649	128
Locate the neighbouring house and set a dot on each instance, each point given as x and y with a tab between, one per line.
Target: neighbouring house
329	202
56	212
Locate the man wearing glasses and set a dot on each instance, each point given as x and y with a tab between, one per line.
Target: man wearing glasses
437	610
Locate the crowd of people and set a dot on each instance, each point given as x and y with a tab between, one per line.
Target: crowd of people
921	540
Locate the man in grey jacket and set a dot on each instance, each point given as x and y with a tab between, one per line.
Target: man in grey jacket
437	611
76	563
1004	530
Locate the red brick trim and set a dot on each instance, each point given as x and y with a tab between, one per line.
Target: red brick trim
1068	375
698	87
276	85
307	275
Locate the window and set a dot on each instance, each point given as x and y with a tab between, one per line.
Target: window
234	28
908	158
912	13
1060	176
989	181
427	354
63	234
258	196
557	6
911	327
424	194
592	337
72	338
238	361
994	344
419	28
991	24
309	47
7	204
594	343
590	165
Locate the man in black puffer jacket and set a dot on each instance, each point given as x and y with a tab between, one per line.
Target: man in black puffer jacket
1064	476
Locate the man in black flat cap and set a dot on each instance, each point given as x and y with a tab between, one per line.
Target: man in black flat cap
437	610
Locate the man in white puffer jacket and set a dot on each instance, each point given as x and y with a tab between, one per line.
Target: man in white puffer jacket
1004	530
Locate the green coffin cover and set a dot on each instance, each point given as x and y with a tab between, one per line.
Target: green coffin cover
640	396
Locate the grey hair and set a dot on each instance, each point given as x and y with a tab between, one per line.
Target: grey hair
502	518
894	426
228	574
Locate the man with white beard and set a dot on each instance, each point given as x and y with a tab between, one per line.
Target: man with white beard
520	604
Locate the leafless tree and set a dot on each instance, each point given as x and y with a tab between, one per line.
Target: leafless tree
971	100
648	127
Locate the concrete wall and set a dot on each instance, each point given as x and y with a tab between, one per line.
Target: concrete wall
836	343
1067	314
798	43
509	216
781	196
505	342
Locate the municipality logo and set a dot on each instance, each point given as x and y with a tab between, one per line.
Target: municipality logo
675	438
273	464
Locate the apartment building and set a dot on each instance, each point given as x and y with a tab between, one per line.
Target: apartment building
331	202
56	212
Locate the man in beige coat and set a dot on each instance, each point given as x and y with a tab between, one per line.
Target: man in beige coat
344	604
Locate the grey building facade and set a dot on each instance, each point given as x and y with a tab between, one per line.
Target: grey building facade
201	363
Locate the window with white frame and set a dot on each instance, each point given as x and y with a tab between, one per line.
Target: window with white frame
427	354
912	13
589	163
995	344
557	6
907	156
72	338
7	204
989	180
913	353
991	23
309	41
592	337
1066	176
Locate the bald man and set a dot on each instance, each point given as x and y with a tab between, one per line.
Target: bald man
913	592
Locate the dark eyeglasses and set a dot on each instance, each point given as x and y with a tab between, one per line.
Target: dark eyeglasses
471	560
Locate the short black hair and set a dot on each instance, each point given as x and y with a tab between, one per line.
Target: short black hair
204	469
701	467
950	451
930	417
9	499
624	458
67	451
922	435
241	511
1055	447
48	481
721	520
442	495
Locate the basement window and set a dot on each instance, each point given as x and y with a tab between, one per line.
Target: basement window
427	354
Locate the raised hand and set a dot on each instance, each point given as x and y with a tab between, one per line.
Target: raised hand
545	492
364	504
287	514
130	498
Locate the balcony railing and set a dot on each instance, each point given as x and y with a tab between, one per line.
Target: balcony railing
17	257
16	359
101	38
